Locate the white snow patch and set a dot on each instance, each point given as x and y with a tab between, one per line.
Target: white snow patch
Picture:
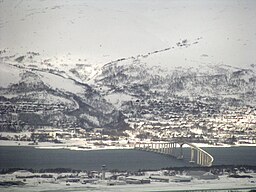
118	98
8	75
58	82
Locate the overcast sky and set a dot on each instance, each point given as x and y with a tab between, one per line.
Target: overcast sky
100	30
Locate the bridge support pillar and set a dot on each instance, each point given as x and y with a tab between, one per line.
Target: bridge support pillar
198	157
192	155
166	148
181	152
158	148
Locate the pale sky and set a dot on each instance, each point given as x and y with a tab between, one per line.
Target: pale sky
104	30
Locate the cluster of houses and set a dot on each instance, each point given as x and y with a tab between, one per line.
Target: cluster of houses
11	120
198	120
27	106
115	177
229	125
109	178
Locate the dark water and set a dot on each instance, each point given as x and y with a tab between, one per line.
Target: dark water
233	155
29	157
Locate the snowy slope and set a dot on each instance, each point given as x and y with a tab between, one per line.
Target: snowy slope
43	98
12	77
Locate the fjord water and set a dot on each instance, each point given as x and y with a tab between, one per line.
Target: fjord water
29	157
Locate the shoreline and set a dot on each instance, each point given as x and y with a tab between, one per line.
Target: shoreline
55	184
77	146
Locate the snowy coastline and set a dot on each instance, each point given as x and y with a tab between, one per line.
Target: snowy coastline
223	183
77	145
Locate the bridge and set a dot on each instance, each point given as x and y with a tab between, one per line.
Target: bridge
175	149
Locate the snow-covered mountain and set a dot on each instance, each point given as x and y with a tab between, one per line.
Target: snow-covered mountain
42	98
84	61
134	78
59	100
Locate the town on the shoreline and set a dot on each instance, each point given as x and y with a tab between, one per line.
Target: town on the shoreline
198	178
151	120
